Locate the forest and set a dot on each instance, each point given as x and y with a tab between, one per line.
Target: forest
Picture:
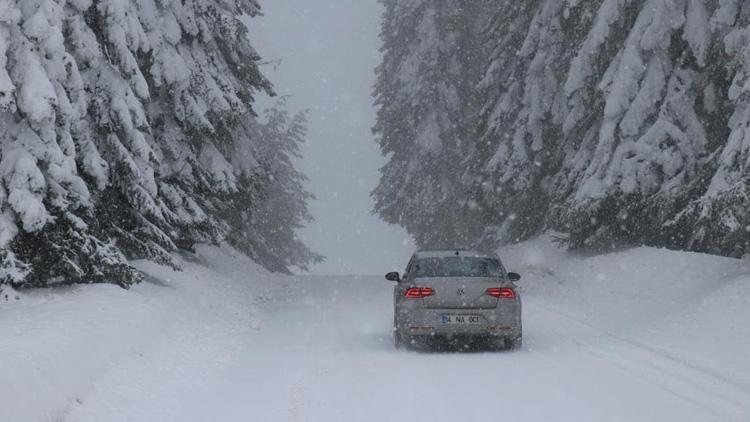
128	132
610	122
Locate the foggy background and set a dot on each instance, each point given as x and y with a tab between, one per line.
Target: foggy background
323	55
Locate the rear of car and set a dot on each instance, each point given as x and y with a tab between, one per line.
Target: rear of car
457	294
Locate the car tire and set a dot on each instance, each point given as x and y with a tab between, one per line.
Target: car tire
514	343
497	344
398	340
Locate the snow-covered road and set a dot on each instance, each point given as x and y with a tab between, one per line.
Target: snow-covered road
320	349
324	353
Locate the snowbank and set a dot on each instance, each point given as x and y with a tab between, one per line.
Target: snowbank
57	344
693	308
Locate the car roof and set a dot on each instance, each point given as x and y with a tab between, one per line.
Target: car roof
444	253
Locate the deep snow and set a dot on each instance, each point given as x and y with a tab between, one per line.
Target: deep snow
136	353
642	334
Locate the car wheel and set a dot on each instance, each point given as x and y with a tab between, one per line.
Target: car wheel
498	344
399	341
514	343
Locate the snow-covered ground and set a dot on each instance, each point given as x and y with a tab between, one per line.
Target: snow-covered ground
101	353
644	334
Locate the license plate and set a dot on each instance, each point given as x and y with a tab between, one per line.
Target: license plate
451	319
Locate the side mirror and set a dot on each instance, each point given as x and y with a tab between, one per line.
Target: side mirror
393	276
514	276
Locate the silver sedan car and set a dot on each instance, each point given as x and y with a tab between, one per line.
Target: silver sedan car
456	294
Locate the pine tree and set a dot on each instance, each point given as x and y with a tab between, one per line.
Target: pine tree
119	120
265	218
650	143
43	198
425	98
611	120
518	150
717	219
189	72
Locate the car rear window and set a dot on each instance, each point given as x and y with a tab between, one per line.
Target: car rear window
458	266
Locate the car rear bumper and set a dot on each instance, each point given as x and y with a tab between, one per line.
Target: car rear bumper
503	321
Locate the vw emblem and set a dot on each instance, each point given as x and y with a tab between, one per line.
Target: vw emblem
460	292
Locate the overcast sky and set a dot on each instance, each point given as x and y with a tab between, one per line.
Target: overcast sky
323	53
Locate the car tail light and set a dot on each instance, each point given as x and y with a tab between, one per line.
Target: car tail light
501	292
419	292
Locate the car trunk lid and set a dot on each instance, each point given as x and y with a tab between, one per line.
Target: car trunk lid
459	292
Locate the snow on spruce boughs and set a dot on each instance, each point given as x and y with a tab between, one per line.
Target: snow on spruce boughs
117	120
525	104
720	218
649	141
611	120
268	232
646	112
425	100
643	116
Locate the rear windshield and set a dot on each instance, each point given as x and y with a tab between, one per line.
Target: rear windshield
458	266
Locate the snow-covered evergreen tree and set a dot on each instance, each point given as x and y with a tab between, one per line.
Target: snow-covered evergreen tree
425	98
264	220
718	219
647	145
119	120
44	199
611	120
517	152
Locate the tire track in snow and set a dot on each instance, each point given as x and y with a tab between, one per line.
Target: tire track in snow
686	380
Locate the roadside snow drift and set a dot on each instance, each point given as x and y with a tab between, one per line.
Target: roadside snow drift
643	334
692	307
61	347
